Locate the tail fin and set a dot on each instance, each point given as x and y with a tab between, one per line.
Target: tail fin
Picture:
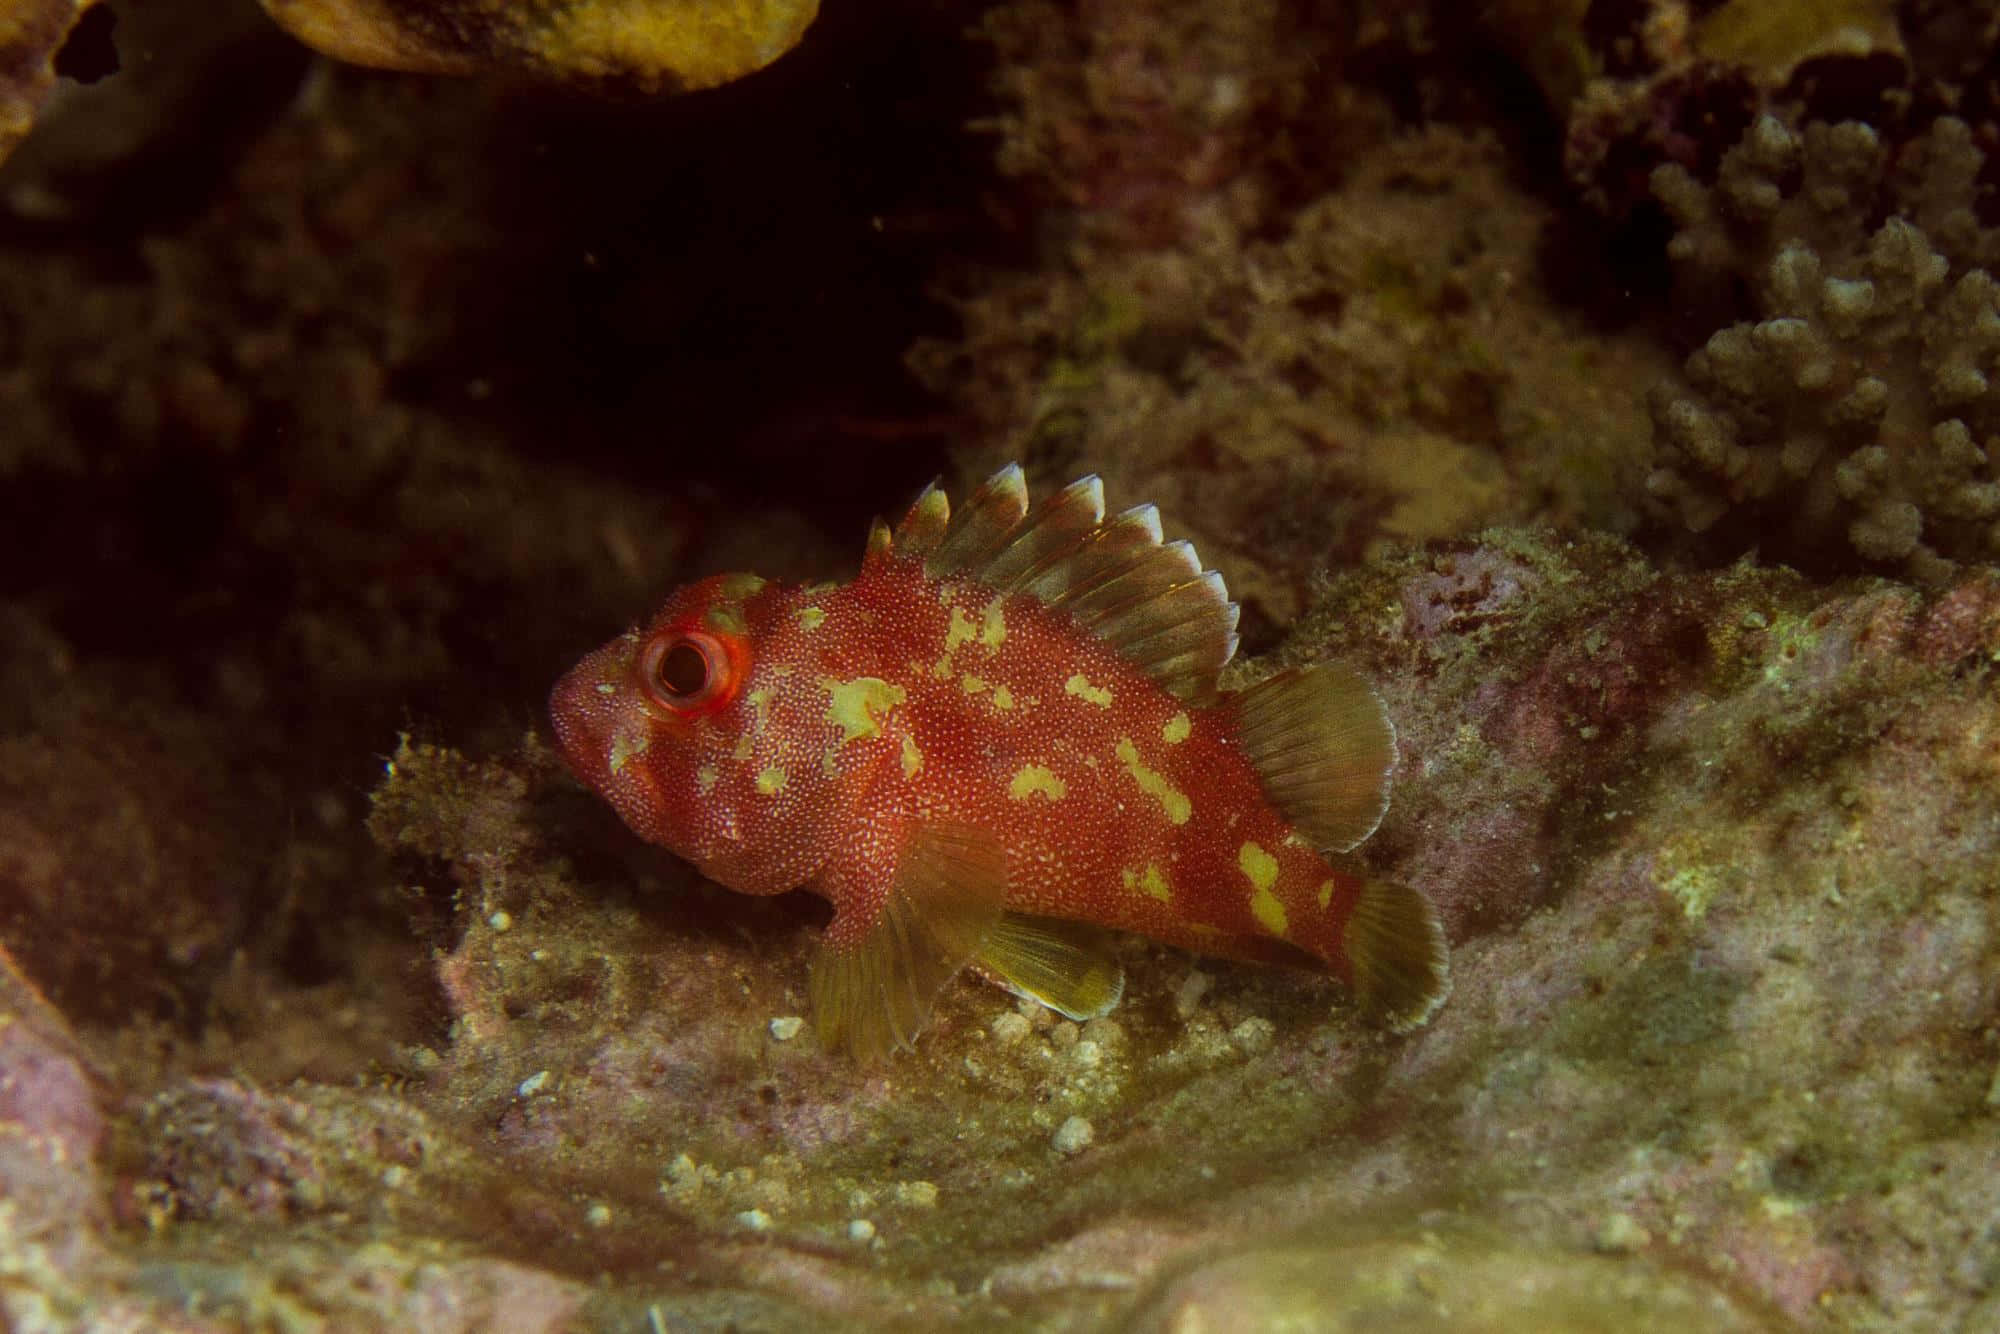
1395	945
1325	749
1323	744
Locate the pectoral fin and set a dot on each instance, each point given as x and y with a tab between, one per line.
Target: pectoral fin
875	981
1054	962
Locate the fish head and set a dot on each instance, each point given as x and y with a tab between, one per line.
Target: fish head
696	731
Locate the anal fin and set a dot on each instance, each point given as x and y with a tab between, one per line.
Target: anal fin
875	981
1324	747
1055	962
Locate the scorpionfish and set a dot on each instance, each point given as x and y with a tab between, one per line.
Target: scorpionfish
1005	733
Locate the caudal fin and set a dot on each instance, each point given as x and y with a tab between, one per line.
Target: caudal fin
1396	947
1325	748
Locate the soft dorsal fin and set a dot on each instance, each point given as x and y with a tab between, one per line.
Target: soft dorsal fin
1324	747
1150	601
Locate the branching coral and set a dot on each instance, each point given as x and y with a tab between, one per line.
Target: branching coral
1862	404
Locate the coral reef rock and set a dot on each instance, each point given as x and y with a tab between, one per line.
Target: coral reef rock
1716	852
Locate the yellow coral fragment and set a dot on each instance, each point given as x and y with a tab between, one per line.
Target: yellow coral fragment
1776	39
1153	783
1034	779
650	45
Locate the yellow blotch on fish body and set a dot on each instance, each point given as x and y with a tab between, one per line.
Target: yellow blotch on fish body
1033	779
913	759
961	631
858	706
1149	881
1262	870
992	626
1153	783
1079	686
1270	913
772	781
1325	894
746	746
1176	730
1259	865
625	746
704	778
1003	698
811	618
972	685
726	619
760	709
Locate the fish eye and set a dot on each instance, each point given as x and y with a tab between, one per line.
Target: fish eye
683	671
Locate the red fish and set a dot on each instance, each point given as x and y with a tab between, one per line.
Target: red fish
1006	724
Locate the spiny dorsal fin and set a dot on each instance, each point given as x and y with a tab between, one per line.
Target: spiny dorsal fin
917	536
1325	748
1396	946
1152	602
982	526
874	983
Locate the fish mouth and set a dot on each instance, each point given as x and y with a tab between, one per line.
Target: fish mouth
583	712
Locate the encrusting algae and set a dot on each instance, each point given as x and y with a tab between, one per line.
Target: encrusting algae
649	45
1008	725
